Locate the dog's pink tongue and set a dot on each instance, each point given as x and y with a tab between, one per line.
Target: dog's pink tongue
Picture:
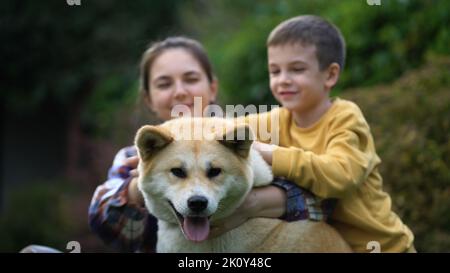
196	228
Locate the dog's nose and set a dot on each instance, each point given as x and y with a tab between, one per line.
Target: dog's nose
197	203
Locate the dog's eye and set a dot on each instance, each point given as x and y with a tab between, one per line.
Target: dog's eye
178	172
213	172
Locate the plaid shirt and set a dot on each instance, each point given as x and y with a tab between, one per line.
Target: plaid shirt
130	228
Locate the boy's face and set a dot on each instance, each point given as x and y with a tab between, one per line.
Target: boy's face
295	78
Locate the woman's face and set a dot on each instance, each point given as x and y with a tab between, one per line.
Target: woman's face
176	77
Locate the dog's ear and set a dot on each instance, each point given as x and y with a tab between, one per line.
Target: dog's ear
151	139
239	139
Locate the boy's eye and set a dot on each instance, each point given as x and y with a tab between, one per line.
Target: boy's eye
298	69
192	80
178	172
274	72
213	172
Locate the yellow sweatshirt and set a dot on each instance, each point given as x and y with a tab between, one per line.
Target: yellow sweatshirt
336	158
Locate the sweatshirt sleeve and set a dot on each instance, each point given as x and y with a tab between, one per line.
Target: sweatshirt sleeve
348	159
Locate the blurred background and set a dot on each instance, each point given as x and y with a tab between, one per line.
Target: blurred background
69	94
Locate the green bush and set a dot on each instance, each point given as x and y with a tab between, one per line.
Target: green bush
410	121
36	214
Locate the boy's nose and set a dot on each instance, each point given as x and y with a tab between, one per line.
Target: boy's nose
285	78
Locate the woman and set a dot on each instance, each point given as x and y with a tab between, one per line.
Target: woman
174	72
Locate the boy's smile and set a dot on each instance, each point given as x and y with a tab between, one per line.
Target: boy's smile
297	82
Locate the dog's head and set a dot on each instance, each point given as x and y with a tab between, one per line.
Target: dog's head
193	182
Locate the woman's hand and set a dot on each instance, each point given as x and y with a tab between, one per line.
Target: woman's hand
269	202
132	162
134	195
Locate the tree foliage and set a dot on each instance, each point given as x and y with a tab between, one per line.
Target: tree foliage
56	54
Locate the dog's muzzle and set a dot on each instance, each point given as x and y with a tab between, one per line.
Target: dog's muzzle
194	226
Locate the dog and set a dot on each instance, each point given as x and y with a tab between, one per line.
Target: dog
188	183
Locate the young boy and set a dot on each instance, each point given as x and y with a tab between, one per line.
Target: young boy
325	145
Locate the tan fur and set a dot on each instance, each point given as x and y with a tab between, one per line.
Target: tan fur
242	168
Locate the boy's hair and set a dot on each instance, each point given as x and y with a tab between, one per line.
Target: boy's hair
157	48
312	30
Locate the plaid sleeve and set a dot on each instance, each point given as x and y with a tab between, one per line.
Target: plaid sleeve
126	227
301	204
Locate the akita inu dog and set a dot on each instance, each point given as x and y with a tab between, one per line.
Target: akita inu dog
191	182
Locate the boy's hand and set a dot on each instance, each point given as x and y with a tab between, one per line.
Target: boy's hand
265	150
